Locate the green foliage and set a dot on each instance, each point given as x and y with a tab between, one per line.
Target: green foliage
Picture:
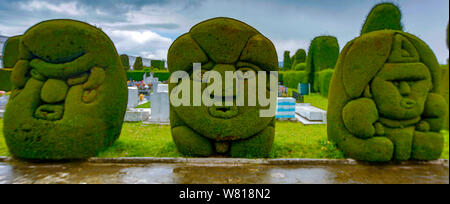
323	54
287	64
125	61
300	67
159	64
139	75
11	51
298	58
201	130
138	65
162	75
445	91
291	79
5	79
90	118
380	111
384	16
324	81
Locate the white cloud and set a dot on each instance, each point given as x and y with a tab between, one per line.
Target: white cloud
69	8
147	44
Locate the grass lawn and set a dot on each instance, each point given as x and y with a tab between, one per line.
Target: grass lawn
292	140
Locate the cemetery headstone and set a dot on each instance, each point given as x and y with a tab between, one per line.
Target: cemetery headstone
133	97
160	105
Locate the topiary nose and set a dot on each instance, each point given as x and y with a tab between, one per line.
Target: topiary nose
227	89
404	88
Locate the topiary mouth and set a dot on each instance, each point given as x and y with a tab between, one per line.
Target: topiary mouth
225	112
408	103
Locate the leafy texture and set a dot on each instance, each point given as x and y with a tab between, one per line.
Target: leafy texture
383	105
11	51
222	44
287	62
138	65
384	16
323	54
69	96
5	79
125	61
298	58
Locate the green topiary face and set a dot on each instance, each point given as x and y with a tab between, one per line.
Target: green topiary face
69	95
221	45
383	101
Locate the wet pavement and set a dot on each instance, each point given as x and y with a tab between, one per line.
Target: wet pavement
95	173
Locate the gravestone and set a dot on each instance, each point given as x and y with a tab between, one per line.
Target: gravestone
137	114
160	105
3	102
310	115
133	97
285	108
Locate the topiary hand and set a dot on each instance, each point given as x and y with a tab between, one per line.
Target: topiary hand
359	117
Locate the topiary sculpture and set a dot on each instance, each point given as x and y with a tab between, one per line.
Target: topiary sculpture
298	58
138	65
287	62
323	54
384	16
222	44
125	62
11	51
383	99
70	93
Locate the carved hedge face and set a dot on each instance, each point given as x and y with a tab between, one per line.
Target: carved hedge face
222	45
400	90
70	93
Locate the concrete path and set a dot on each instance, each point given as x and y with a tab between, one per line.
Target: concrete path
186	173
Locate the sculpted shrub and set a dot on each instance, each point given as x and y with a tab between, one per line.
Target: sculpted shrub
383	99
70	93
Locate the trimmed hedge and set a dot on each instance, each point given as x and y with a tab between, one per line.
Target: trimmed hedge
138	65
298	58
91	116
11	51
139	75
125	61
384	16
159	64
5	79
238	131
378	110
291	79
445	91
300	67
287	63
323	54
324	81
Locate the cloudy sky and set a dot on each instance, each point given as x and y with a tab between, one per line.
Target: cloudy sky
148	27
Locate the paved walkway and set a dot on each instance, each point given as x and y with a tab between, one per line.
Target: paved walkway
19	172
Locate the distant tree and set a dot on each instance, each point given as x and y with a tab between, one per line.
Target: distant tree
138	65
287	64
299	57
125	61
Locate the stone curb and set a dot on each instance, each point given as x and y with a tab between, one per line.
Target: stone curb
232	161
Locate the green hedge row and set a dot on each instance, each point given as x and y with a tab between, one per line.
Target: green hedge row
291	79
324	81
139	75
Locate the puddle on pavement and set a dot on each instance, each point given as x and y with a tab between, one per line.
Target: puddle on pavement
80	173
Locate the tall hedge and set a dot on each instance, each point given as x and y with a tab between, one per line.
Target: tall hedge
299	57
287	64
125	61
138	65
323	54
70	94
291	79
384	16
11	51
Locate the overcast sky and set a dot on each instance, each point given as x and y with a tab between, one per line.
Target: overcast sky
148	27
